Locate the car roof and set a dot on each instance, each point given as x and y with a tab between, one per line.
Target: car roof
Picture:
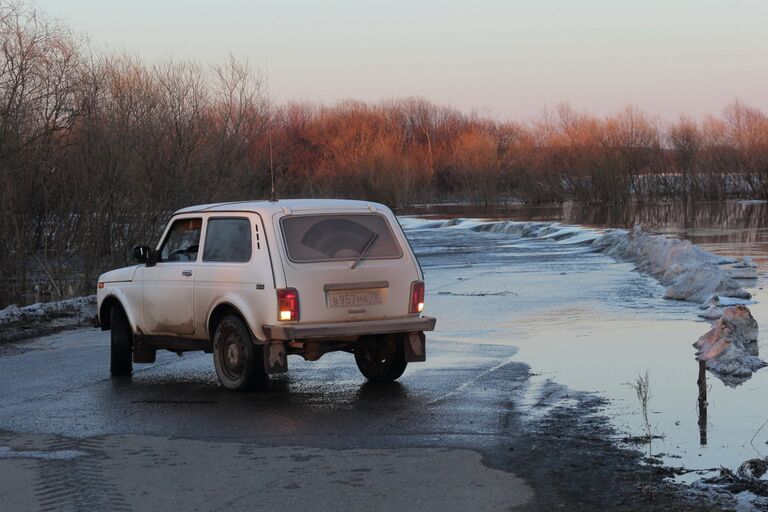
286	206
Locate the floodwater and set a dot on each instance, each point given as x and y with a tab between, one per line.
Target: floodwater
594	324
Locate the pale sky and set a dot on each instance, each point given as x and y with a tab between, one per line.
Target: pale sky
508	59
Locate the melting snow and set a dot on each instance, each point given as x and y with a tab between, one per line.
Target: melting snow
689	272
40	311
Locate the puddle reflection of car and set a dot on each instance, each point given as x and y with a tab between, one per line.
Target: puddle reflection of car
253	282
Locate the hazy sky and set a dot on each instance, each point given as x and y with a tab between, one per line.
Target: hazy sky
508	59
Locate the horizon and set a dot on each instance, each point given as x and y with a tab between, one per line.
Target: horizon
507	62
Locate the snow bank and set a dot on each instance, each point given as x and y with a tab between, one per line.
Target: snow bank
42	311
730	349
689	272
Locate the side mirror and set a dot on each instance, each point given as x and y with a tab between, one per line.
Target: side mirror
141	254
154	257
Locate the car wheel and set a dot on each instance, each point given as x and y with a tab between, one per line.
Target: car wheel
239	363
383	360
121	349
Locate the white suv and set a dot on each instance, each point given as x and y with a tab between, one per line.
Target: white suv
253	282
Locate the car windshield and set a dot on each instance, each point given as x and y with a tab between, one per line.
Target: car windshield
310	238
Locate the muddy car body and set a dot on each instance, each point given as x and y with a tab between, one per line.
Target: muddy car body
253	282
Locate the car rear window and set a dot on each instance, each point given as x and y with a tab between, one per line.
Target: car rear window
311	238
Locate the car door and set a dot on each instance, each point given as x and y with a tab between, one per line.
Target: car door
223	272
168	286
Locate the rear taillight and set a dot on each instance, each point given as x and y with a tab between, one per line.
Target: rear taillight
417	297
287	304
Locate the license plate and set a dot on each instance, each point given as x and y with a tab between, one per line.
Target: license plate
347	299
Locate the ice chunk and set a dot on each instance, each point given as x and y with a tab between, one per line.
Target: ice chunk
719	301
711	313
696	284
746	262
732	301
730	349
742	272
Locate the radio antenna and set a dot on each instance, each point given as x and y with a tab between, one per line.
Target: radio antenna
273	195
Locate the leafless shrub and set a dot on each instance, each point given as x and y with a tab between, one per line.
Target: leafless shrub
642	387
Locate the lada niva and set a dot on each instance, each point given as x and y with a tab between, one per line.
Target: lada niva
253	282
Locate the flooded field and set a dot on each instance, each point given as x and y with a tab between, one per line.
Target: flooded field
583	319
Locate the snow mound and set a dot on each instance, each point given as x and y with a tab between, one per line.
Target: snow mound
730	349
47	310
689	272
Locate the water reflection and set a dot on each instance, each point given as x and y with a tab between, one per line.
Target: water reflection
373	391
702	409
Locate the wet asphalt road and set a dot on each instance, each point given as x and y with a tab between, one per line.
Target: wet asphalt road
72	438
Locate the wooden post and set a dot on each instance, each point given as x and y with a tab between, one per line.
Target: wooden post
702	382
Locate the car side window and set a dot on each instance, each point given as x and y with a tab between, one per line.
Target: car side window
183	241
228	239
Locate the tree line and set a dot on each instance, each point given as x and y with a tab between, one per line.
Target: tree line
97	149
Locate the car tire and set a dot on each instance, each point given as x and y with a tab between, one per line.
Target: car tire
121	346
382	360
239	363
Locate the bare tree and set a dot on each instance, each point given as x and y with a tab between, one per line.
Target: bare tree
98	149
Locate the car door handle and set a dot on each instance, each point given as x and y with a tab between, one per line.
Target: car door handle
186	273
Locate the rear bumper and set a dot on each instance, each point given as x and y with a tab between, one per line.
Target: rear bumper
304	331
